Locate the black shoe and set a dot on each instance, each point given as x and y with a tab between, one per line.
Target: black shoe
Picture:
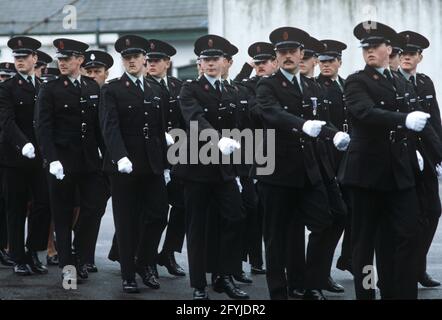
82	272
200	294
333	286
428	282
168	260
226	284
344	265
257	270
154	270
5	259
130	286
314	295
148	277
91	268
296	293
52	261
243	278
35	263
22	269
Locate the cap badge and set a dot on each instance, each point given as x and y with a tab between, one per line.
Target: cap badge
61	45
210	43
152	46
92	57
258	49
285	35
20	43
407	37
127	42
7	66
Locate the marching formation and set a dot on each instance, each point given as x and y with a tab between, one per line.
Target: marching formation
357	157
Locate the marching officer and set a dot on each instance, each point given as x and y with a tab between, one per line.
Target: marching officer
43	60
69	137
96	64
7	71
295	189
377	168
211	189
159	55
23	170
132	123
427	181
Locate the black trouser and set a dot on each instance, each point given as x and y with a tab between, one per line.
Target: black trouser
88	226
203	199
20	186
3	220
430	209
252	226
176	226
392	216
139	205
296	254
346	250
281	205
63	194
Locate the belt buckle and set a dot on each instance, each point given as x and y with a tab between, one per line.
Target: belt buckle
392	136
345	127
83	127
146	132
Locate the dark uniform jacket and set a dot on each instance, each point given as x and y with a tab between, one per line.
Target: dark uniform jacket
133	126
17	104
284	109
200	102
67	125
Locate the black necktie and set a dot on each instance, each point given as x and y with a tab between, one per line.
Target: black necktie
163	84
218	87
30	81
138	83
77	84
413	81
388	76
297	85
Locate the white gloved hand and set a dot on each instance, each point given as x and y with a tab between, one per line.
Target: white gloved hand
124	165
167	176
238	182
28	151
420	161
341	141
417	120
313	128
439	170
169	140
227	146
56	169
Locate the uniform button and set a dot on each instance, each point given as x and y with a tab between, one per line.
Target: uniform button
82	136
130	107
95	105
205	110
285	108
145	124
65	105
219	118
82	111
21	102
170	110
220	104
170	122
382	102
146	113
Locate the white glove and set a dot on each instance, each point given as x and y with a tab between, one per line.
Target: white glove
420	161
167	176
28	151
417	120
227	146
169	140
238	182
124	165
341	141
56	169
313	128
439	170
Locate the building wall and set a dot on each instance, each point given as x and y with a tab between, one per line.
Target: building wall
246	21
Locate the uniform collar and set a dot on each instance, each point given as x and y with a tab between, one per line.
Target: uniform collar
290	77
25	76
73	79
159	80
212	80
407	75
134	79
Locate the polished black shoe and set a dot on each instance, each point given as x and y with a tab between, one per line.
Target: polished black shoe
168	261
130	286
243	278
82	272
226	284
52	261
257	270
91	268
296	293
22	269
428	282
314	295
344	265
35	263
154	270
148	277
5	259
200	294
333	286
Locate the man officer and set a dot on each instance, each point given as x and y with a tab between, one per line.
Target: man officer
24	177
97	64
428	185
159	55
133	128
7	71
43	60
69	137
295	189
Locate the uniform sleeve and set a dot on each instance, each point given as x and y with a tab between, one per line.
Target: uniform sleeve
271	110
44	124
12	134
435	114
110	125
245	72
362	107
